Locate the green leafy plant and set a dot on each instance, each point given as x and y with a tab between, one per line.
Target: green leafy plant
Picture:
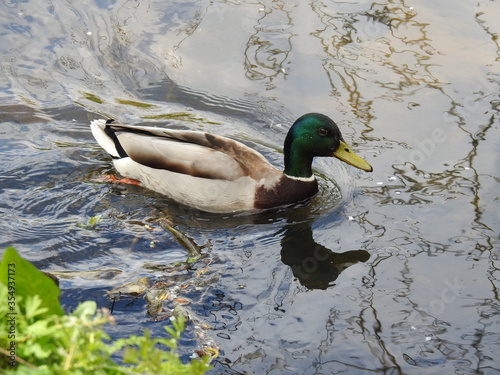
23	280
36	337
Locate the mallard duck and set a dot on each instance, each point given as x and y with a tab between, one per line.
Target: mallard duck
217	174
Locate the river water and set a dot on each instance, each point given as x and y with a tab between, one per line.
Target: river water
393	272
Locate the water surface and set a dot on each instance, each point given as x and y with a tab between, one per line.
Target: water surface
394	272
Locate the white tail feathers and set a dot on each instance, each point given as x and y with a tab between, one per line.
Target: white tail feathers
97	127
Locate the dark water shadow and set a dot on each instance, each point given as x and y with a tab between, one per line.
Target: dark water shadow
314	265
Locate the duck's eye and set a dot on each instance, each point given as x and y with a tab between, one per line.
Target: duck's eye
322	132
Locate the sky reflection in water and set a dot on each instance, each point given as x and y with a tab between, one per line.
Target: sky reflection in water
399	275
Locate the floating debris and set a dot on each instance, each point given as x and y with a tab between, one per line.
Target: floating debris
210	351
181	311
135	288
181	301
105	274
91	224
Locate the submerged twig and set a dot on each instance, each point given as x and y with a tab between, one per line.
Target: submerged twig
187	243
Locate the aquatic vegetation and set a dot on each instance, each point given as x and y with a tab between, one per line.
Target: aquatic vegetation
91	224
135	103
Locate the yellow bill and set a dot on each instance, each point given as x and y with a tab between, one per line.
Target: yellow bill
346	154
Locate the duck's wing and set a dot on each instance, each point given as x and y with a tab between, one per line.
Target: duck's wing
193	153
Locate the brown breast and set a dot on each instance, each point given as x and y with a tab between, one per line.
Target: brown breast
286	191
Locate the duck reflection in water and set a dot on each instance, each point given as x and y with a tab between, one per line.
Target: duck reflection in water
314	265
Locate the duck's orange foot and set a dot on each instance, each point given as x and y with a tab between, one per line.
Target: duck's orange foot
113	179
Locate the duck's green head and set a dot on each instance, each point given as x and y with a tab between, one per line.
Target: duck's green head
313	135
